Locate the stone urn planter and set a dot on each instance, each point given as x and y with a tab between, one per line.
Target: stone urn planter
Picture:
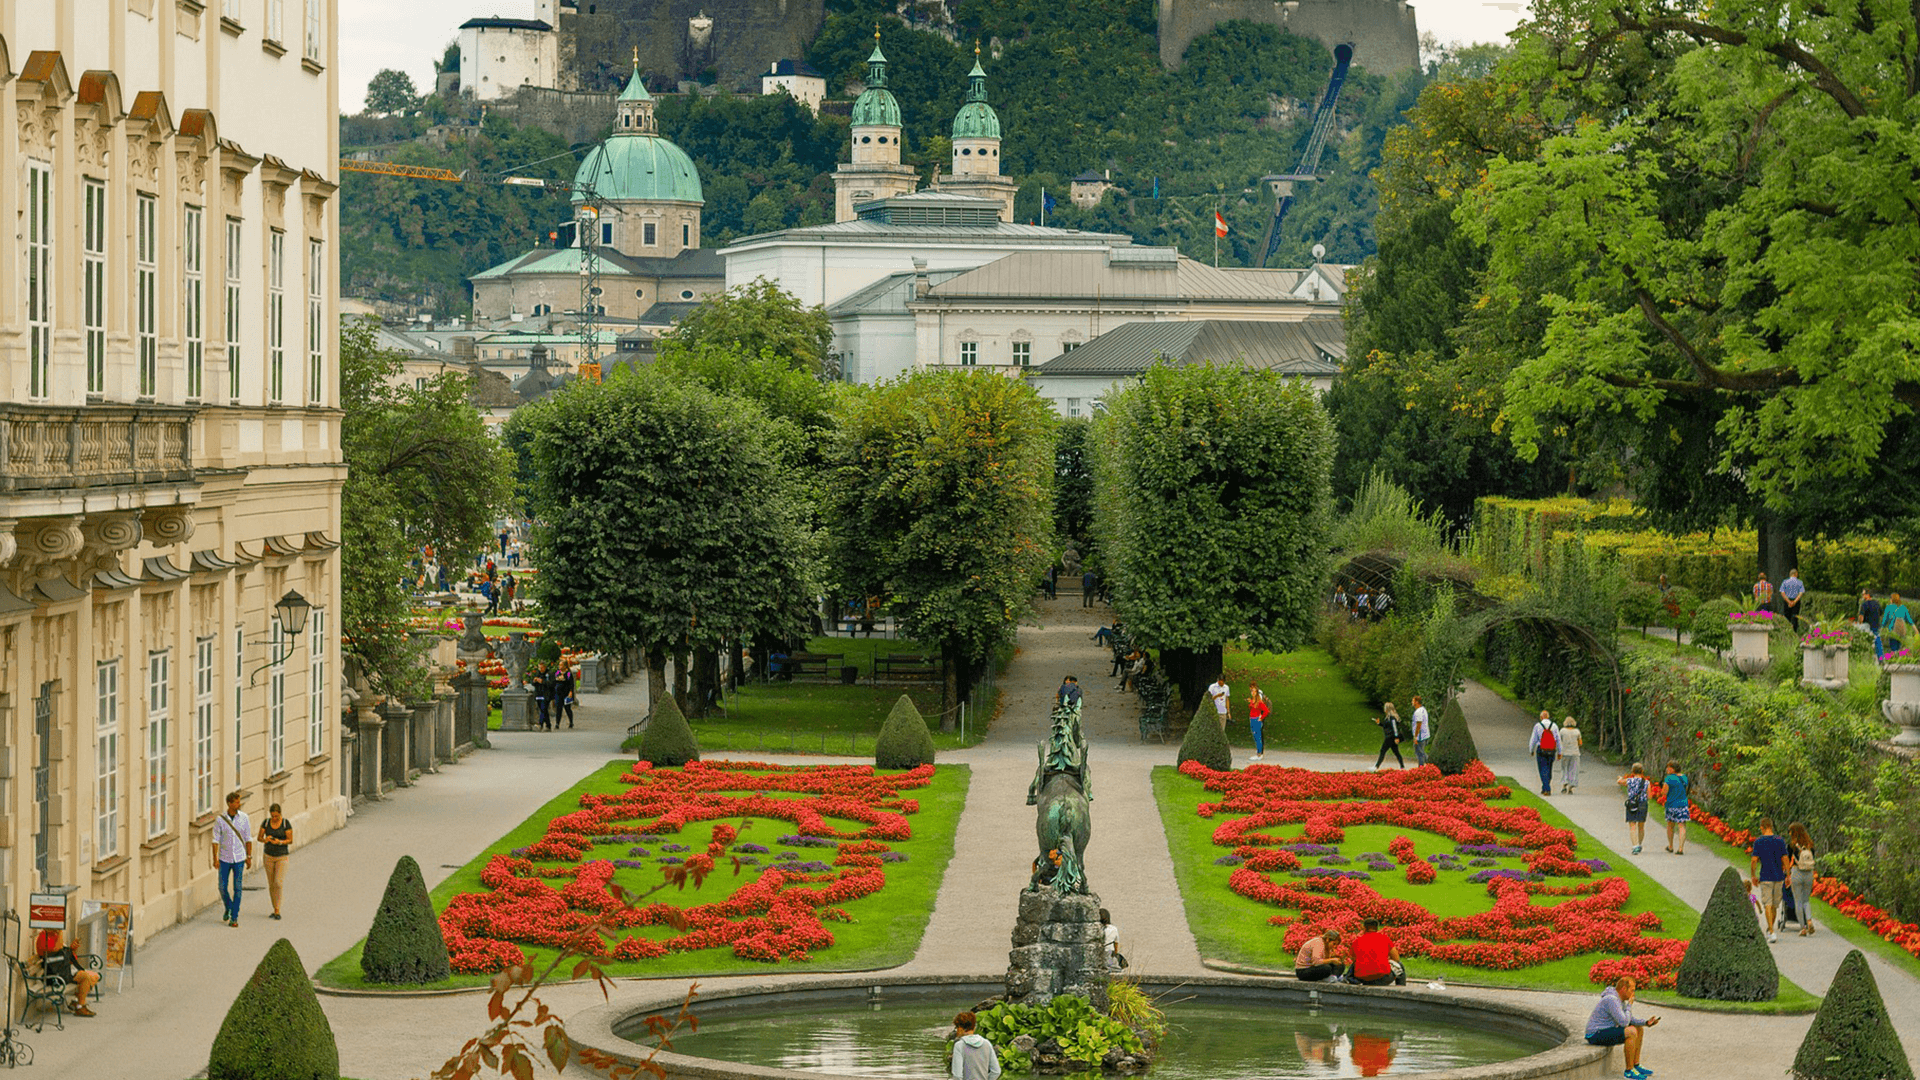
1903	703
1750	647
1825	666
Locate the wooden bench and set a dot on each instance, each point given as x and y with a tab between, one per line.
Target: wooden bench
46	991
825	665
908	667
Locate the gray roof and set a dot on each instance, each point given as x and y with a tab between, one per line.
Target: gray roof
1312	347
497	23
690	263
668	312
889	295
1091	176
409	345
868	231
794	67
1135	274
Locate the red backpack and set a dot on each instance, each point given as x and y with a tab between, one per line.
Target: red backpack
1548	741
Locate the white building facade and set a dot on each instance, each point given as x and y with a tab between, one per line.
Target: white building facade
499	56
170	467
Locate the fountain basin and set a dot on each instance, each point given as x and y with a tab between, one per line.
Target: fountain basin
841	1027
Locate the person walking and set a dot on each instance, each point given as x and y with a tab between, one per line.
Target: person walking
1544	744
563	686
1767	862
1613	1024
1217	693
1110	942
512	587
493	597
1638	789
232	854
1087	582
277	838
1801	879
1763	593
1870	616
974	1057
1422	731
1679	811
1896	624
1791	590
1391	732
542	696
1570	742
1257	710
1315	961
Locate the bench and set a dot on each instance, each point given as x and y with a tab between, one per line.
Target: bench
46	991
1154	695
825	665
908	666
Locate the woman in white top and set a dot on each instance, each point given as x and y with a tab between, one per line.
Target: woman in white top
1110	940
1569	754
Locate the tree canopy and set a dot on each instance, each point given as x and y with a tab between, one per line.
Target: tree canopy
941	500
1212	508
391	91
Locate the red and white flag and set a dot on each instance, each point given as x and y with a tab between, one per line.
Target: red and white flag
1219	224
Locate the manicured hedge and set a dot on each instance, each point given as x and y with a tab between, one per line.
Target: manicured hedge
405	946
904	742
1453	749
1852	1038
275	1029
668	740
1728	958
1205	742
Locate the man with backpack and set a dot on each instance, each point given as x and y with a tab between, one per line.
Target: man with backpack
1545	746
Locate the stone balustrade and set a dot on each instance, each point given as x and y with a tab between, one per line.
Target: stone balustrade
46	447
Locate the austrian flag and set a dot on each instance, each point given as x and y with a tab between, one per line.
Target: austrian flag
1219	224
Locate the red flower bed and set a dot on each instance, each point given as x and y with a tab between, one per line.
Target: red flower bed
1831	889
1515	932
778	915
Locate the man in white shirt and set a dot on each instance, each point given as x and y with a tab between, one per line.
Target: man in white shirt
1544	745
1422	732
233	854
1218	694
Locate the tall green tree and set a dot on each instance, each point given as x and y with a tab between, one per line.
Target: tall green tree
665	521
1073	481
941	501
391	91
1721	228
1212	507
422	471
754	320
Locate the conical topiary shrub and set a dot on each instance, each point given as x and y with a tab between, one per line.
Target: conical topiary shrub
668	741
405	945
905	742
1205	742
275	1029
1728	958
1453	748
1852	1038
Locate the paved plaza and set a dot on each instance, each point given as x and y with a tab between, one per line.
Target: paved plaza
162	1026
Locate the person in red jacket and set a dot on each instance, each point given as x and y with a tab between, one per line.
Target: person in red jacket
1257	710
1374	956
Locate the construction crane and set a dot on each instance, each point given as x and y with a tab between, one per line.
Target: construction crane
1282	183
586	217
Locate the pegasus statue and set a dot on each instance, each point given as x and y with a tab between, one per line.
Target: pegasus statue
1062	787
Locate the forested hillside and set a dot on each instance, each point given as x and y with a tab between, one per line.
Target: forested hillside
1077	87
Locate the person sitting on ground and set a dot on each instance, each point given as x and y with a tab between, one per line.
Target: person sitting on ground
974	1057
1110	941
1376	959
1613	1024
57	959
1314	962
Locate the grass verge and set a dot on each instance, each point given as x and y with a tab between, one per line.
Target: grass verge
1315	708
1234	929
885	931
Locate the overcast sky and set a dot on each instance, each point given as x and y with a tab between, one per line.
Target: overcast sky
410	34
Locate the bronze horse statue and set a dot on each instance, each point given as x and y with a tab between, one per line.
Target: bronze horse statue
1062	787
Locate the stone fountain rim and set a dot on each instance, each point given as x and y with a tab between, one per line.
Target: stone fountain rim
596	1028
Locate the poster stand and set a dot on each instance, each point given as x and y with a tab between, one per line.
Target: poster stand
107	930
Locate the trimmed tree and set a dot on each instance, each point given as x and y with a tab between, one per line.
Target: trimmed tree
905	742
1453	749
668	741
275	1029
1212	508
1728	958
1205	742
405	945
1852	1038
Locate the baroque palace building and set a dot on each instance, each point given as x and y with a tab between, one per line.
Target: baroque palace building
170	465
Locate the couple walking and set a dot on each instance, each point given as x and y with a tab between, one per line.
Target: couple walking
1551	742
1394	731
1258	709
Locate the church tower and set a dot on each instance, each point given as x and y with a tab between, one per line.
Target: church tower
976	147
650	186
875	171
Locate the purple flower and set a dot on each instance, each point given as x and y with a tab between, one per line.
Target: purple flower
671	860
750	849
1598	866
748	860
1498	851
629	864
1328	872
1334	860
1485	876
813	867
1228	860
1304	848
808	841
646	838
675	847
638	852
785	855
1483	861
893	856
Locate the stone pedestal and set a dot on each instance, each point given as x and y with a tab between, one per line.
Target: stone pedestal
1825	668
349	762
516	709
443	727
1057	950
589	675
1750	645
394	759
420	738
470	709
1903	703
372	747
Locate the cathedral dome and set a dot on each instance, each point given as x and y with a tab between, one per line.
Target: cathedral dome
876	105
636	163
976	119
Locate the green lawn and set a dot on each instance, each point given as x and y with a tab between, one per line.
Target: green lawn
1315	708
886	926
1234	929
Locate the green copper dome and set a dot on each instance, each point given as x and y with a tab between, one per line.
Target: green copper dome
976	119
876	105
635	162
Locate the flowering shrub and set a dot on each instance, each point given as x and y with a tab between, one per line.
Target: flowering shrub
1834	639
780	914
1255	806
1752	618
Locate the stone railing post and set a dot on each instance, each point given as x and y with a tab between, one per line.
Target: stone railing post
395	753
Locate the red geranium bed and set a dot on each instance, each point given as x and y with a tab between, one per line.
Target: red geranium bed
550	892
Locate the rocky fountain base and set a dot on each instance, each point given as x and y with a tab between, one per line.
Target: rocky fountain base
1057	950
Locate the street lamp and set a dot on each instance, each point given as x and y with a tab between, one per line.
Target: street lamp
292	612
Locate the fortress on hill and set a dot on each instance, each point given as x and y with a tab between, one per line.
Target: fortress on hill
736	40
